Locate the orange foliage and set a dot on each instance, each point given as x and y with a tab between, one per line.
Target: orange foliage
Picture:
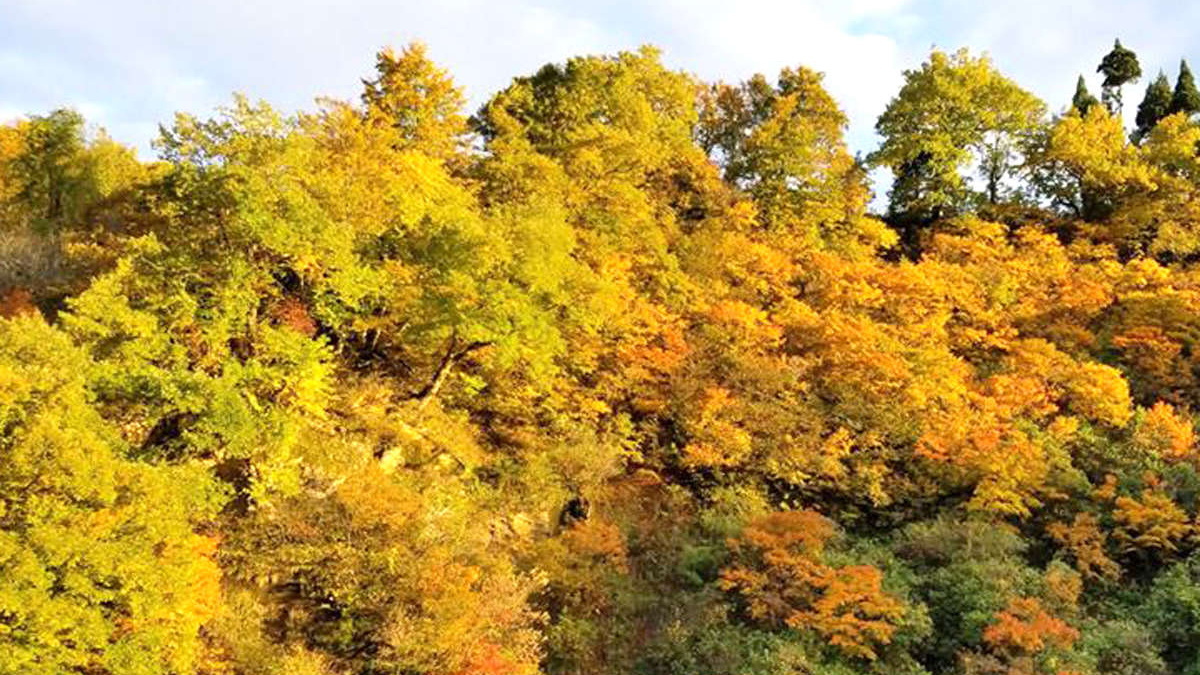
1063	586
205	598
16	302
745	322
1165	433
716	440
1154	358
593	538
853	611
1024	626
292	313
783	581
490	659
651	355
988	433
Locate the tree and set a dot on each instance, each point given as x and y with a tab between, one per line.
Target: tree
1085	542
1171	607
386	572
102	569
418	100
50	172
1025	626
1087	167
1083	99
627	382
1154	106
783	145
954	111
1151	525
783	580
1186	98
1119	67
65	204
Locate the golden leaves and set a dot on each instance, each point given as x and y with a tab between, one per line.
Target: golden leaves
782	579
1152	523
1084	541
1166	434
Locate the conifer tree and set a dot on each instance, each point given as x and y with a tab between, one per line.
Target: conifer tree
1154	106
1119	67
1186	97
1083	99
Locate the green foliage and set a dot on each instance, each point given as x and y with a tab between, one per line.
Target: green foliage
52	182
1123	647
1185	98
1083	99
965	572
979	116
1119	67
1154	106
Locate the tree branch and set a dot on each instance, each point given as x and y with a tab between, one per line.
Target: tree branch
453	355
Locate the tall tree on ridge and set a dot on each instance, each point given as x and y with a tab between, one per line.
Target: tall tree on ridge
418	99
1119	67
1154	106
955	111
1186	98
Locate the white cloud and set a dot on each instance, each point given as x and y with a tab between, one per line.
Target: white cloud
731	41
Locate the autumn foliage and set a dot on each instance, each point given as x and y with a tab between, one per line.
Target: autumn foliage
623	374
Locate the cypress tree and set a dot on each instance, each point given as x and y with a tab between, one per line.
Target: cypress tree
1083	99
1155	105
1186	98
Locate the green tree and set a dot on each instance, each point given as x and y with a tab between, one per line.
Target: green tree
955	111
101	570
52	177
1083	99
65	199
783	145
1154	106
1186	98
1119	67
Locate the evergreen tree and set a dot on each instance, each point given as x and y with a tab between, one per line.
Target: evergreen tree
1083	99
1186	98
1154	106
1119	67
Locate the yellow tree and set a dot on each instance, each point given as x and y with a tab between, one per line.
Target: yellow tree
955	110
102	568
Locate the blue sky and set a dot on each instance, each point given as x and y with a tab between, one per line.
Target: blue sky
129	65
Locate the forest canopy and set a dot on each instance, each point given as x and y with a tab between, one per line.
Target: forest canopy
618	374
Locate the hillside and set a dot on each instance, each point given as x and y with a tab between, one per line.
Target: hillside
618	375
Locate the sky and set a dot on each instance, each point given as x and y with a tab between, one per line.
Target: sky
129	66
